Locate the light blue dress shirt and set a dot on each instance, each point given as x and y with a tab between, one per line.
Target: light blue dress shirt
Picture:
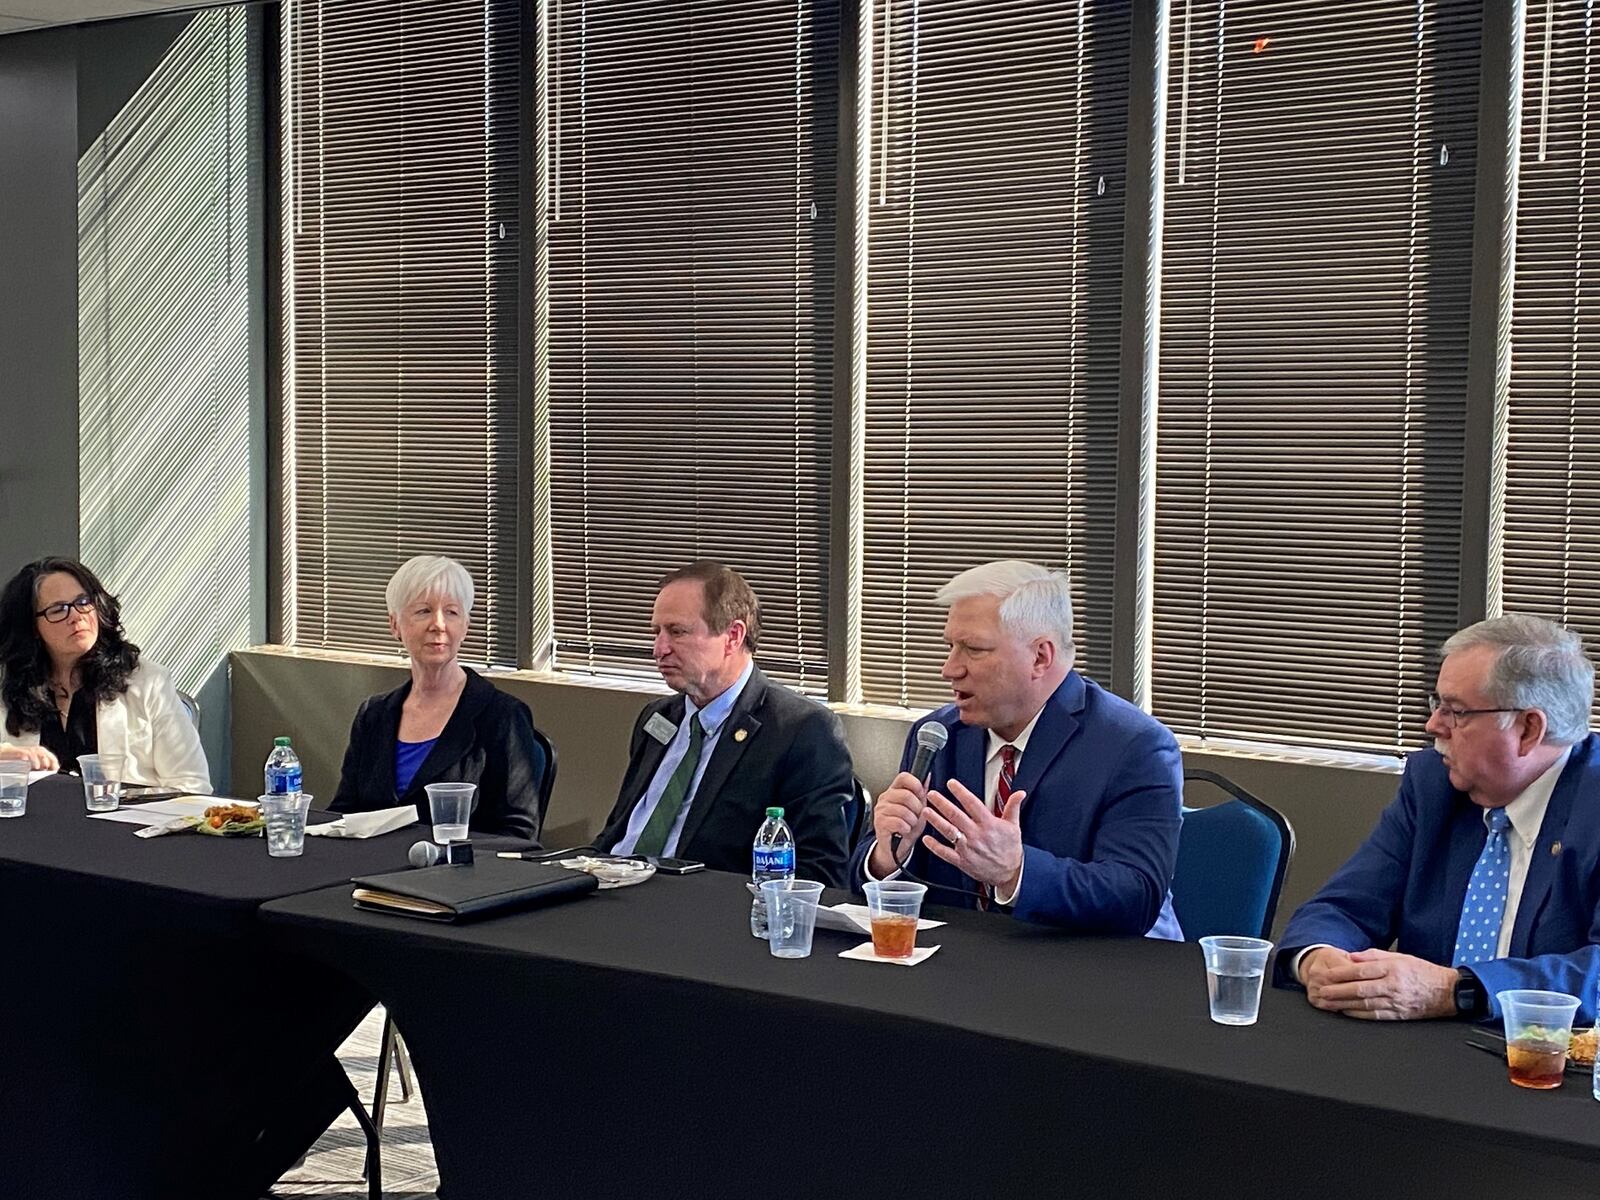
712	719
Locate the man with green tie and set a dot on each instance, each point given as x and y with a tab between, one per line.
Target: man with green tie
705	763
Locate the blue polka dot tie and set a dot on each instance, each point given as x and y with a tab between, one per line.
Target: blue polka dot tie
1478	935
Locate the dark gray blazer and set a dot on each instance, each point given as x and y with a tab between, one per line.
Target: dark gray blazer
792	754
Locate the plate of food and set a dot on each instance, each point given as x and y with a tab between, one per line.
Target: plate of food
1580	1053
231	820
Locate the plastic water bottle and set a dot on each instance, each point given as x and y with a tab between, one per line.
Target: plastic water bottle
772	858
283	768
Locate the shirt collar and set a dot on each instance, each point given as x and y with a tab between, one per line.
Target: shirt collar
715	713
1020	741
1526	812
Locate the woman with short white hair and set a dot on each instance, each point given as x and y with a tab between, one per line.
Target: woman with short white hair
447	724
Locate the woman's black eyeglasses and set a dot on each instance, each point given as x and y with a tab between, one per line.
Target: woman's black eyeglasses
57	613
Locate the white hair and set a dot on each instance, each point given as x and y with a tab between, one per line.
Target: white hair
1540	665
428	575
1034	601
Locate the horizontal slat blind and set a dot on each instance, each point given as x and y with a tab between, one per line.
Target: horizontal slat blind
400	158
995	266
1552	509
691	314
164	348
1313	365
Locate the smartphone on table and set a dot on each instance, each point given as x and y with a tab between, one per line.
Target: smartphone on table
674	866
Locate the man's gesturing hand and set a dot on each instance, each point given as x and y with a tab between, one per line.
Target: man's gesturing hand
986	847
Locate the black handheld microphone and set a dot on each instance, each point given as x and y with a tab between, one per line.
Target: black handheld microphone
931	738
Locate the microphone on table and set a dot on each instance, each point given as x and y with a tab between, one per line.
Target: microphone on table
931	737
452	854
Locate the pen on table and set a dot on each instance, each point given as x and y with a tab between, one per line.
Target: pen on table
537	855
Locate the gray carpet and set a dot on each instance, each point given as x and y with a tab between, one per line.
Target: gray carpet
333	1168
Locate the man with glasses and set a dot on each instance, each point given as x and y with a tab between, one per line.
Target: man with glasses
1484	874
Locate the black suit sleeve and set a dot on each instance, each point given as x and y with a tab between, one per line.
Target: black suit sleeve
348	798
815	783
524	772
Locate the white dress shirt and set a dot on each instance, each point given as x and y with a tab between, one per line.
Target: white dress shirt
991	783
1527	817
1526	814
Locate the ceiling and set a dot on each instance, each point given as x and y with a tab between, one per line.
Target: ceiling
17	15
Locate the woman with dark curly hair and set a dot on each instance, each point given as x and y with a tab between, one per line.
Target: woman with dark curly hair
71	684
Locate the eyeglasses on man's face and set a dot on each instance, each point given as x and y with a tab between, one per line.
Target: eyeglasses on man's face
57	613
1453	716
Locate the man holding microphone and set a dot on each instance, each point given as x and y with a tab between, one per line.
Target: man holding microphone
1051	797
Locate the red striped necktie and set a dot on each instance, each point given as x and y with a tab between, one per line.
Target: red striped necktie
1002	793
1008	777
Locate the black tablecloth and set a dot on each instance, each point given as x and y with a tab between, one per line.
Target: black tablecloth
641	1038
151	1043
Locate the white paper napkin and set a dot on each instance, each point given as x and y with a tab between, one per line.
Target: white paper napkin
863	953
366	824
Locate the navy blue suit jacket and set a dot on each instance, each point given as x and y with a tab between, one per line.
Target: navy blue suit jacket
1100	822
1406	884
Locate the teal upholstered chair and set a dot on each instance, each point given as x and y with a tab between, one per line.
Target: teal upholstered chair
1232	859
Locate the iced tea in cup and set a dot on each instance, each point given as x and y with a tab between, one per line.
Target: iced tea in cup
1538	1032
895	907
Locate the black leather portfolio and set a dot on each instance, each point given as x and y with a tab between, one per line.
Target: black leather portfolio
468	893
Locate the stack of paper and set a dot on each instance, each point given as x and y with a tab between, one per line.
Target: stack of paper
159	812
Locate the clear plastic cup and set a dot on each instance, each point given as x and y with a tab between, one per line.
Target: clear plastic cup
450	807
791	915
285	814
1538	1032
1234	970
13	787
102	784
895	908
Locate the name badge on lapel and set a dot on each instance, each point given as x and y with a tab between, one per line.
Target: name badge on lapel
660	728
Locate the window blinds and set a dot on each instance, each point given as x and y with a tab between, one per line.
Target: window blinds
399	232
1318	223
994	299
1552	502
690	315
164	347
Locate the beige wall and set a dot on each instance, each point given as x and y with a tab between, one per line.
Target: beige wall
312	699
